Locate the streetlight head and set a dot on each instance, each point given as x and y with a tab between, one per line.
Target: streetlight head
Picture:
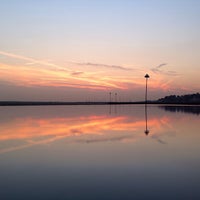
147	76
146	132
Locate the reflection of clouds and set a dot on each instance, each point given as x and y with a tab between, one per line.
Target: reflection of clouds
156	137
30	144
90	129
28	128
111	139
181	108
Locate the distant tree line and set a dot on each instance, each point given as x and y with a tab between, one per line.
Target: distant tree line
183	99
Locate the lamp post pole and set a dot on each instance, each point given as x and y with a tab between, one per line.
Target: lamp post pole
146	76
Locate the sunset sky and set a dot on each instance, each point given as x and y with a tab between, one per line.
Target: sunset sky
80	50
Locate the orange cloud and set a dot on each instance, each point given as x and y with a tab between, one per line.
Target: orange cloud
43	73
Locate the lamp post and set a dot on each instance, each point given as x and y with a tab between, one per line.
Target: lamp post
146	76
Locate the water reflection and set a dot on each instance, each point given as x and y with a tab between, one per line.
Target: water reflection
185	109
25	131
87	153
146	121
33	131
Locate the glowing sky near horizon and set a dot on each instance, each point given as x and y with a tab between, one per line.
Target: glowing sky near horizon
82	49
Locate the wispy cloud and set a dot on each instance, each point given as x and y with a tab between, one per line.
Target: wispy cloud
47	73
36	72
76	73
34	76
31	61
159	70
105	65
161	65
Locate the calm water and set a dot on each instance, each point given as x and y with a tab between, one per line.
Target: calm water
99	152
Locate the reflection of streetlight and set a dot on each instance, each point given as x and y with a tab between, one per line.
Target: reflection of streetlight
146	120
146	76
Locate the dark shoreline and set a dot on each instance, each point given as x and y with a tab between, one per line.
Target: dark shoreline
54	103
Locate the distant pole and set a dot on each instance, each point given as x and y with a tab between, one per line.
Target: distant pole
146	76
110	96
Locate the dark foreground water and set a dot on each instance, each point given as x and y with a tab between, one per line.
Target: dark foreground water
99	152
